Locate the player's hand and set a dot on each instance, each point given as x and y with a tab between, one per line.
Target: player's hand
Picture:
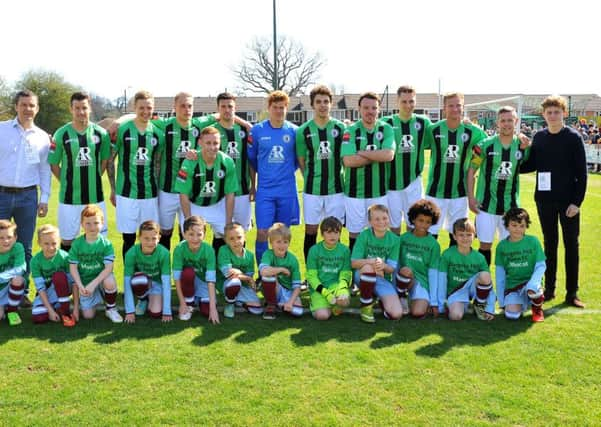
113	198
234	272
82	290
251	282
166	319
525	142
191	155
251	193
489	316
284	271
183	308
288	306
130	318
75	314
213	316
328	295
42	209
53	315
474	205
572	211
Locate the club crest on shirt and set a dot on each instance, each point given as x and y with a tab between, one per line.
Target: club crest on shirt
95	139
379	135
335	133
518	155
417	126
154	141
286	138
465	137
195	132
220	174
241	134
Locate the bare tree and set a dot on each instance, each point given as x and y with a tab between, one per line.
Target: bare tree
296	68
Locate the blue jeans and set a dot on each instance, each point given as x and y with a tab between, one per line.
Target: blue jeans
23	208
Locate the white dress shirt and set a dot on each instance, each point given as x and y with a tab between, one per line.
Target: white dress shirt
24	157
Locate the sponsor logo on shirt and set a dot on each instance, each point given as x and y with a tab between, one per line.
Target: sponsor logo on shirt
84	157
183	148
324	151
504	172
232	150
452	154
276	155
406	144
182	175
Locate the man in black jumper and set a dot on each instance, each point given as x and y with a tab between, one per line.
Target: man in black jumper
557	155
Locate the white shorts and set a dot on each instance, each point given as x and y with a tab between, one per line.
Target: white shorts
214	215
356	211
69	220
450	211
133	212
242	211
316	208
169	207
399	201
486	224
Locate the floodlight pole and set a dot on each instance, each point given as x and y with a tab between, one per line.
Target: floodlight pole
275	50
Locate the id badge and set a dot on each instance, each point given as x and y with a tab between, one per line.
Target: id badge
544	181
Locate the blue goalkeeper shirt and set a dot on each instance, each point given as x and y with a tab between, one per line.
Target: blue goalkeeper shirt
272	154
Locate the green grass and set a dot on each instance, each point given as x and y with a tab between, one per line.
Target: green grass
300	372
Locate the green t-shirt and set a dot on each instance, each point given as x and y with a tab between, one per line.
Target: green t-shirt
408	160
368	181
227	259
12	263
498	187
328	266
207	186
137	153
80	156
43	268
91	258
369	246
420	254
321	149
460	268
518	259
451	154
155	265
289	262
178	141
233	143
203	261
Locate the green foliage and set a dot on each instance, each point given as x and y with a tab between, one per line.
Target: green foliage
54	94
5	101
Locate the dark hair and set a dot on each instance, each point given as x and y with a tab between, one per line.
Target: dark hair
405	89
193	221
149	225
225	96
320	90
80	96
426	208
464	224
330	223
25	93
369	95
516	215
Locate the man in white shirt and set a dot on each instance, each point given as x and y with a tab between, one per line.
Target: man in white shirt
23	167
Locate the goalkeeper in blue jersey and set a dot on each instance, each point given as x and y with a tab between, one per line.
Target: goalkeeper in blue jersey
272	154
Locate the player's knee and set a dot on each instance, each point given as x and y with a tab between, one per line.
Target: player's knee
109	284
17	282
88	314
418	312
455	315
484	277
394	313
322	314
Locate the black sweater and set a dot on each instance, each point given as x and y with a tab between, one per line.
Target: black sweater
563	155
